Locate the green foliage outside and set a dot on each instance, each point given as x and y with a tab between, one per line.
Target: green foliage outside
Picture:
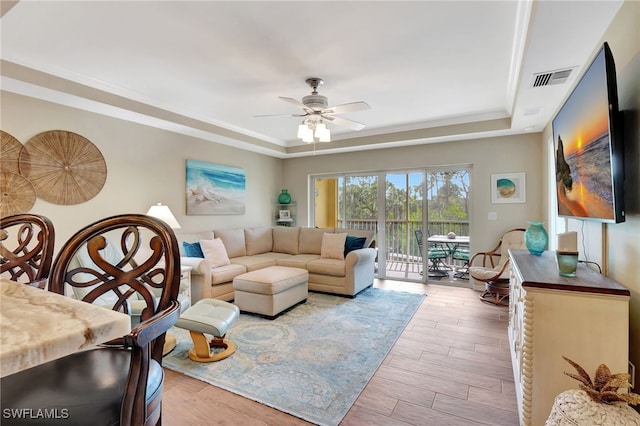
447	195
447	192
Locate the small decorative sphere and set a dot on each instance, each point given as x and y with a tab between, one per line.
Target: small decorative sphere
451	235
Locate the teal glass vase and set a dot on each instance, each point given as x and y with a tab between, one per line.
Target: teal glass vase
284	197
536	238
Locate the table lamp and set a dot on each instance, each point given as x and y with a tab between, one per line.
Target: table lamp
162	212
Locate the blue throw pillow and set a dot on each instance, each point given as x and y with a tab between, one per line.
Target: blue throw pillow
353	243
192	249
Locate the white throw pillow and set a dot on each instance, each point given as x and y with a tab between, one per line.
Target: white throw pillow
333	246
215	252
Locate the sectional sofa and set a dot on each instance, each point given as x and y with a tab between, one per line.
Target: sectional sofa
249	249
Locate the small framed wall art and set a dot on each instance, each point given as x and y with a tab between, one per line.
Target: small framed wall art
285	215
508	188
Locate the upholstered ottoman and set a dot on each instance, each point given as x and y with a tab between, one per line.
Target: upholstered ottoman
214	317
270	290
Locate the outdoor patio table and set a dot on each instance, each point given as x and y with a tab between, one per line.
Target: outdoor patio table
451	243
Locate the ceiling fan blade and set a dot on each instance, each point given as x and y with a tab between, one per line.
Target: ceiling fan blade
353	125
343	108
282	115
297	103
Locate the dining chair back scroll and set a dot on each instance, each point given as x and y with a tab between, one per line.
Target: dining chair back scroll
122	257
26	248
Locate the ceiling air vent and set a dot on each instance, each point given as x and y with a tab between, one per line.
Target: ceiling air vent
550	78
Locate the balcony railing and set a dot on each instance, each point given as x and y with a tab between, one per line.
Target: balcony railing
401	243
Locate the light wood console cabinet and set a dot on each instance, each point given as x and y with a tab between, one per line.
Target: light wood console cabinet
585	318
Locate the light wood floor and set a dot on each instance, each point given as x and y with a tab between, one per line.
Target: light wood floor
451	366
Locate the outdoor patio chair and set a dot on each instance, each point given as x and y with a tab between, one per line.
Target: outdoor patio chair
436	256
463	255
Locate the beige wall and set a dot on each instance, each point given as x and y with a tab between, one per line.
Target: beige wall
144	166
617	246
486	156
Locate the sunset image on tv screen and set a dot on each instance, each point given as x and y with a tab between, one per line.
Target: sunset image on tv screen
583	151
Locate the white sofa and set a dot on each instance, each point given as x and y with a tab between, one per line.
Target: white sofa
249	249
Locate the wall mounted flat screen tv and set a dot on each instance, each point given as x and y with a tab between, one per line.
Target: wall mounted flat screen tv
588	143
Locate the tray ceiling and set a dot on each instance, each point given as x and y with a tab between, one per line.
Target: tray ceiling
431	71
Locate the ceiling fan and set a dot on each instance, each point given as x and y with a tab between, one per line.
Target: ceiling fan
317	111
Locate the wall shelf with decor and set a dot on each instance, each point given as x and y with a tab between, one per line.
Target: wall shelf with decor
285	214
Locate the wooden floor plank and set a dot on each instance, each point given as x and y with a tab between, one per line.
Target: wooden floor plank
473	411
481	358
419	415
424	381
407	393
493	399
360	416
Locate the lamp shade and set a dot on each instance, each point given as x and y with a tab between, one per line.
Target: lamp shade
320	129
324	135
308	137
303	129
163	213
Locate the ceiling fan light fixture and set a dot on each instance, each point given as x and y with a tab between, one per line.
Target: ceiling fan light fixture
308	137
315	109
320	129
325	136
322	132
303	129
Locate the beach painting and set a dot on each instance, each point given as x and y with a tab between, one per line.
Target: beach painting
215	189
508	188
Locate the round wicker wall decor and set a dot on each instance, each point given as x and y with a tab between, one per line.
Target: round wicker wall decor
10	148
17	195
64	167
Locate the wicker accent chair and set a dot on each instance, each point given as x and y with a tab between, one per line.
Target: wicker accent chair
495	267
120	382
26	248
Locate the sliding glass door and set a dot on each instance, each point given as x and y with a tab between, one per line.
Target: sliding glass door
410	204
404	215
448	201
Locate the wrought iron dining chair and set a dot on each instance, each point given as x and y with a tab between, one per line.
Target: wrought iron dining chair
436	256
120	382
462	255
26	248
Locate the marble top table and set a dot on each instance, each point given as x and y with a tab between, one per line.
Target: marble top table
37	326
464	239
